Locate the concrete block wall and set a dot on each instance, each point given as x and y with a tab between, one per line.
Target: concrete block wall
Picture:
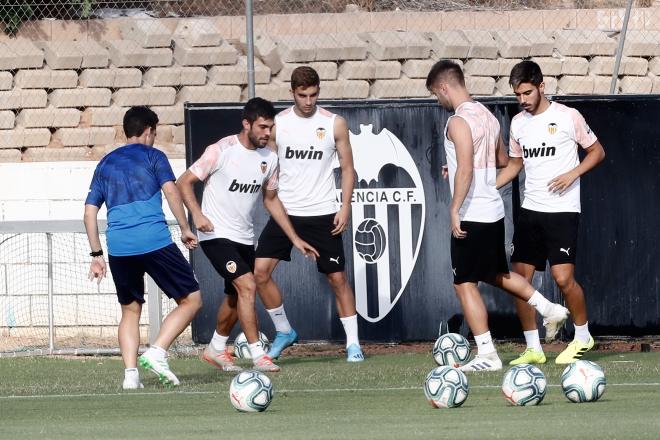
86	315
63	94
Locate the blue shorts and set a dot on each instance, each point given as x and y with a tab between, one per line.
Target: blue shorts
166	266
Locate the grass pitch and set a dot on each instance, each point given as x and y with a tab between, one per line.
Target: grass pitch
316	398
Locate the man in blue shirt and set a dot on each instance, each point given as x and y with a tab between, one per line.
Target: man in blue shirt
129	181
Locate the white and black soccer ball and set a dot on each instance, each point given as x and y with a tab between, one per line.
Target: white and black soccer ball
583	381
370	241
451	349
446	387
251	391
524	385
242	349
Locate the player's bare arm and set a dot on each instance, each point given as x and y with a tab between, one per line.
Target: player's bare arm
345	156
274	206
508	173
501	158
186	183
595	155
173	197
97	268
459	133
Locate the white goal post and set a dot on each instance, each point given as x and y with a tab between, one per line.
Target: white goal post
47	303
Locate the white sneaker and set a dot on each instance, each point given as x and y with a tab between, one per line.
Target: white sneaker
132	384
554	320
220	359
489	362
265	363
159	367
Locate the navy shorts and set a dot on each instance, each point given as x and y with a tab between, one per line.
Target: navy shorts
315	230
481	255
230	259
166	266
541	236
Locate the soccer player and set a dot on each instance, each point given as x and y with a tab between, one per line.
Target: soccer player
307	138
544	139
235	170
474	148
129	181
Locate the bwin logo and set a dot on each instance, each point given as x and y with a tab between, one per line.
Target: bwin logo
310	154
387	222
248	188
541	151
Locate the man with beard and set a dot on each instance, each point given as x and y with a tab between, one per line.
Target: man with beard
234	171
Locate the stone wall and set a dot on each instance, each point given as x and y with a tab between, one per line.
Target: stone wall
65	85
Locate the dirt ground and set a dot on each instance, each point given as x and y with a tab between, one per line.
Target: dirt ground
185	347
320	349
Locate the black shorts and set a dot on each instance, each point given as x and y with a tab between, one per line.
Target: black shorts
230	259
166	266
315	230
541	236
481	255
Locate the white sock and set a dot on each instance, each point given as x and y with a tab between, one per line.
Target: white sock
532	339
350	324
219	342
132	374
278	315
484	344
157	352
582	332
256	350
542	305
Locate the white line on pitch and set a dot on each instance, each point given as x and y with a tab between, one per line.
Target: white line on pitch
309	390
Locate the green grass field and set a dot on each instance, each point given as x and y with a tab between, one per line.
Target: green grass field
316	398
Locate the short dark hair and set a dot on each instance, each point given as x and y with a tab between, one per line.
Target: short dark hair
304	76
448	70
257	108
526	72
137	119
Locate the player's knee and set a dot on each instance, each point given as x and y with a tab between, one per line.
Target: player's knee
564	280
261	276
193	301
246	288
337	280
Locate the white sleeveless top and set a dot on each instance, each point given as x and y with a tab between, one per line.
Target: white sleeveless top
306	150
483	202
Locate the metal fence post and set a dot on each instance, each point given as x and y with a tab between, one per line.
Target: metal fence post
619	51
249	37
51	312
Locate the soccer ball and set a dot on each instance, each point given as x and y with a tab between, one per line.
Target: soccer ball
451	349
524	385
251	391
446	387
370	241
583	381
241	348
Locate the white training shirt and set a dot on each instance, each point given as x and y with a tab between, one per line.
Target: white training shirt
548	142
233	179
306	150
483	202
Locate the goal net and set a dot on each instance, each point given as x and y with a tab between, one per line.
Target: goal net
47	303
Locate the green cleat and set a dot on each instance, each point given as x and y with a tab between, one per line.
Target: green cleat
529	356
160	368
574	351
